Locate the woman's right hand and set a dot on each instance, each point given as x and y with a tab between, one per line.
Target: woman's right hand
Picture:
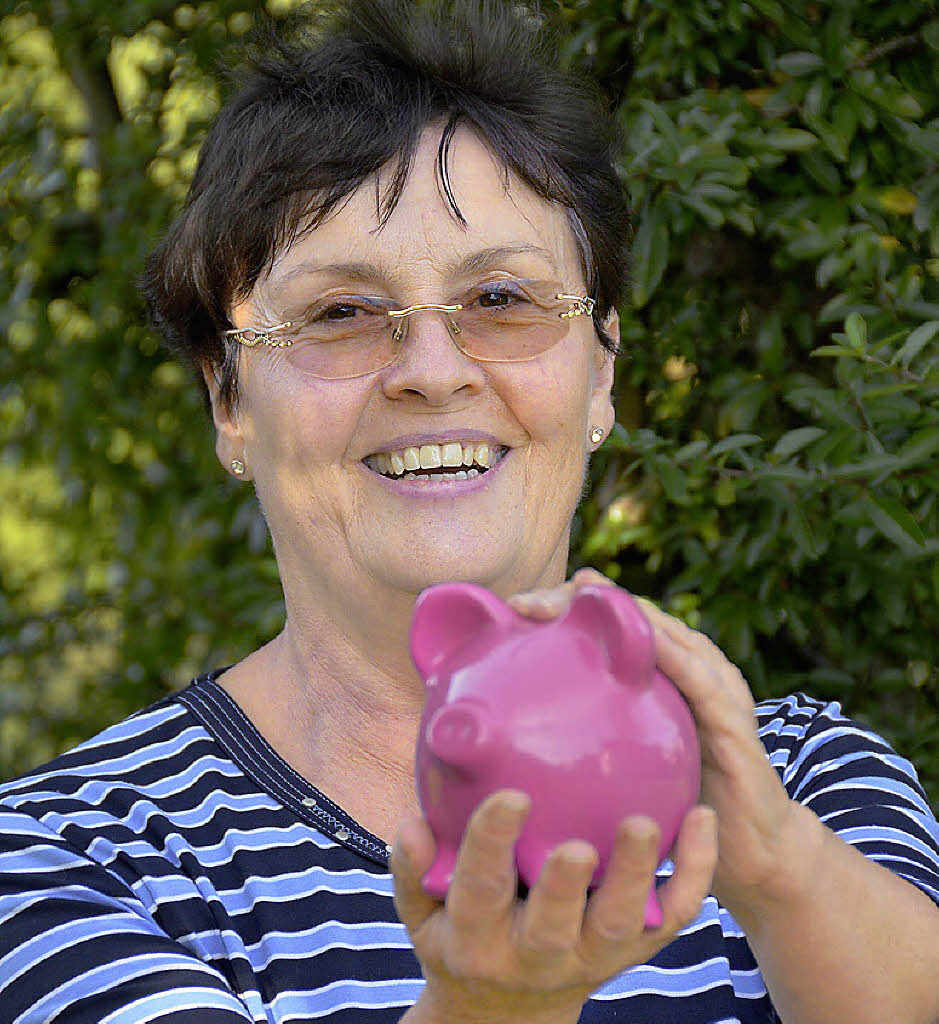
488	956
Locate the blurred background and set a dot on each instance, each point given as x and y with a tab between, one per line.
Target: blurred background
774	476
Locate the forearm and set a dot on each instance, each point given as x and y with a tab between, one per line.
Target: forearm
843	938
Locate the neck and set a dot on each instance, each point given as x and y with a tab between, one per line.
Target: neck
343	715
337	695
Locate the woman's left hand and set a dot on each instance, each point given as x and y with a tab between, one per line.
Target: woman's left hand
757	822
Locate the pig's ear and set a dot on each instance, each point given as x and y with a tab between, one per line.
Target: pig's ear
616	622
449	615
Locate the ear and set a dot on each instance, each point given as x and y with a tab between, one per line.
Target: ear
615	620
229	441
449	615
602	413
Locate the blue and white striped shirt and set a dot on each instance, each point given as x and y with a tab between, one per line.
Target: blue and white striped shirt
175	868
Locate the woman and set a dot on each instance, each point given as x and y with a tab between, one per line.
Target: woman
398	271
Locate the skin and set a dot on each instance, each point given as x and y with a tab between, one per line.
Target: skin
346	700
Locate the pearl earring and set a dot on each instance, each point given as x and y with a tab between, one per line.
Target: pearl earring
237	467
596	435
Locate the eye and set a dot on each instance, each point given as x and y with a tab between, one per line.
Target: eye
343	308
499	298
340	311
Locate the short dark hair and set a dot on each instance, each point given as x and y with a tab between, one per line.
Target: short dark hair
339	93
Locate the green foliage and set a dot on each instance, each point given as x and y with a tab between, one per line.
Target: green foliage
775	475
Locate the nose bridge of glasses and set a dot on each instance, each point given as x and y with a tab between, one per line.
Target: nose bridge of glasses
401	317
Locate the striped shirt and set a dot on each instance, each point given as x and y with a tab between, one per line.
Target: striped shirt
175	868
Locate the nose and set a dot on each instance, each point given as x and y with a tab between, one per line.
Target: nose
429	363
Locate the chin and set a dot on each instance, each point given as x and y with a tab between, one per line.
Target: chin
448	566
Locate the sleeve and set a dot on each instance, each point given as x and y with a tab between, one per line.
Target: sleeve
77	946
860	788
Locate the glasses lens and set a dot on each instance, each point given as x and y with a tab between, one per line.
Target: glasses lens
345	336
511	321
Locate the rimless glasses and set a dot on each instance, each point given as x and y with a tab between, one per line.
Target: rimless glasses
343	335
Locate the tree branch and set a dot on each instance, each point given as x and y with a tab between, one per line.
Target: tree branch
885	49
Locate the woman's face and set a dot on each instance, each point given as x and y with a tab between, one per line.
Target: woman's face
336	520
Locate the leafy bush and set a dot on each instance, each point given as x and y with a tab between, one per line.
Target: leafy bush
773	478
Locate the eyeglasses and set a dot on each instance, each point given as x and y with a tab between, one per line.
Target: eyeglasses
343	336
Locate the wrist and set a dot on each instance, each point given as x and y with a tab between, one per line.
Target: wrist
434	1008
788	888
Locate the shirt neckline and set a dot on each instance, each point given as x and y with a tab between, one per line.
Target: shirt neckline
224	718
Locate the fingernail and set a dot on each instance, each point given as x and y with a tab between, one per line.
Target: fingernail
642	831
511	805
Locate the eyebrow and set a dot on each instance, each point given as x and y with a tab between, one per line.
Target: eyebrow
475	262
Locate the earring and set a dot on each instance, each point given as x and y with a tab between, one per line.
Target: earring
596	435
237	467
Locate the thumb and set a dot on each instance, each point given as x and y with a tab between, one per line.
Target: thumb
412	855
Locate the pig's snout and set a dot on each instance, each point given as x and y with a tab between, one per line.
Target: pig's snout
459	734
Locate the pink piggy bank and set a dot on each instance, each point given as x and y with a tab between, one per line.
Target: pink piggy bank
572	711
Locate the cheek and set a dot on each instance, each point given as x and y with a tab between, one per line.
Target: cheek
299	424
550	400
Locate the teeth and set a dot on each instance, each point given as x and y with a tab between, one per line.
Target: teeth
407	461
451	454
430	456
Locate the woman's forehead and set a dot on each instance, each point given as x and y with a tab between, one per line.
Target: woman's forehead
507	226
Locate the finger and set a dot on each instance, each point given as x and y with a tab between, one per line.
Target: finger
411	856
681	633
550	602
695	859
616	912
542	604
707	679
485	882
588	577
554	911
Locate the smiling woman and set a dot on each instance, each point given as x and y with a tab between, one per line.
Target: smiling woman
397	274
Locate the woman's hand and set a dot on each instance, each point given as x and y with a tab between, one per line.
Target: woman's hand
488	956
759	828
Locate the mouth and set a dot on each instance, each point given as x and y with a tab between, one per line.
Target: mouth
453	460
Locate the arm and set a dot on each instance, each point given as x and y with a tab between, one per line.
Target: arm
841	937
837	936
77	945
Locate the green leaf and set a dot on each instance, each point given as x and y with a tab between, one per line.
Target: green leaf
799	63
894	522
650	255
917	340
801	530
670	477
855	328
920	446
931	34
733	443
833	350
795	440
690	451
725	491
869	466
790	140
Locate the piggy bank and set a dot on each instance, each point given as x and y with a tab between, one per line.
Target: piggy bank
572	711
